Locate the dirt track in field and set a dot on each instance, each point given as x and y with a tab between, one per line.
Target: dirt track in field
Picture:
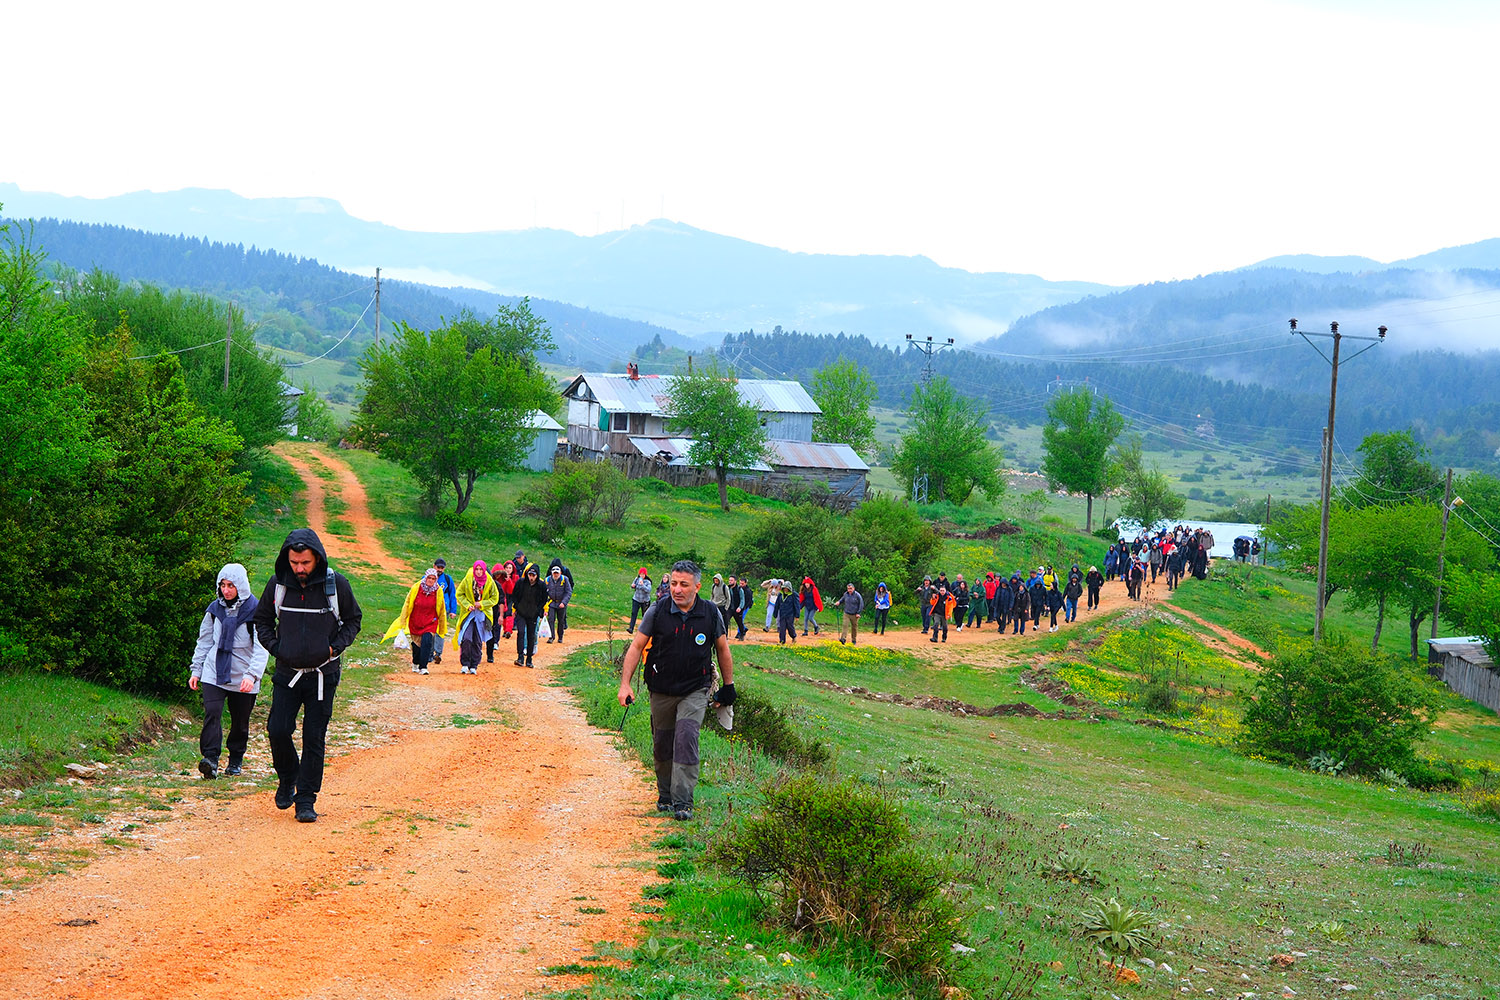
456	854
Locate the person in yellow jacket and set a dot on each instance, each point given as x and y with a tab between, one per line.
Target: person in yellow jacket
424	617
477	596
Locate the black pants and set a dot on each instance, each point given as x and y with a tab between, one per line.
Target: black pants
557	621
881	614
1052	609
638	608
525	638
497	627
939	622
1093	598
470	647
303	774
738	618
240	707
421	650
1019	618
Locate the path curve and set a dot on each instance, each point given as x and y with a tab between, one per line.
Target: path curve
456	855
359	547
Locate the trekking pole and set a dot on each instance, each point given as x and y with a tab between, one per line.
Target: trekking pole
629	700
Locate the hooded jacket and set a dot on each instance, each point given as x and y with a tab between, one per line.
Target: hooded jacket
719	592
529	599
221	660
559	590
809	595
307	635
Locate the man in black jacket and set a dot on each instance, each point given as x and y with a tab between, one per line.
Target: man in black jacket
307	617
686	633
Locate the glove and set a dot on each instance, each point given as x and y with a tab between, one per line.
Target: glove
725	695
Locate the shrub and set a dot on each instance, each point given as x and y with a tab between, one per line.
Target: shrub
449	521
648	549
1429	775
768	728
839	862
1336	700
577	493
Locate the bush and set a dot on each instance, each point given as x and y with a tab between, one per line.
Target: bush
1430	776
768	728
648	549
1336	700
841	863
449	521
578	493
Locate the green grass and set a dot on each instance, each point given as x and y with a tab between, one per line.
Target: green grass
1227	853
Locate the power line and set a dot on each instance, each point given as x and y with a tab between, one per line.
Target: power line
182	350
335	347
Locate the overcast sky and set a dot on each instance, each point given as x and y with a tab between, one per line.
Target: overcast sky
1104	141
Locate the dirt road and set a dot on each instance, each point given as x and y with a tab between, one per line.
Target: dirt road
482	833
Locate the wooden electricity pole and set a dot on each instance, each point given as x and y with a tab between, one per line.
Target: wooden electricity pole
1437	604
228	344
377	307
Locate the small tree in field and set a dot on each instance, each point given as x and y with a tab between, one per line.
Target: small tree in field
1149	498
844	391
726	430
946	444
456	403
1080	429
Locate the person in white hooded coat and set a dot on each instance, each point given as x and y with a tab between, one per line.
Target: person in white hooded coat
227	667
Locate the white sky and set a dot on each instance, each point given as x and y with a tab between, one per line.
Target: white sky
1108	141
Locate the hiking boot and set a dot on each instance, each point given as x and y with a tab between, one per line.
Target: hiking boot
490	658
306	813
663	807
841	642
520	662
234	767
284	795
530	664
682	814
437	657
549	640
209	769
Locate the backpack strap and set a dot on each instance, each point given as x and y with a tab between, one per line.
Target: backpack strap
330	591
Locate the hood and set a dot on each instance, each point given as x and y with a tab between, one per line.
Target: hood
309	538
235	574
881	586
807	581
554	564
718	578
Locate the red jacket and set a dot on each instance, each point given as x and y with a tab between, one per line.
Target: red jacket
990	586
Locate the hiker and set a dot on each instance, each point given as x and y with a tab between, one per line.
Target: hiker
1054	599
960	594
1038	595
772	587
226	670
664	589
641	594
559	593
1021	608
529	600
991	588
687	634
306	618
450	602
1154	559
1071	593
1137	579
557	564
719	595
882	608
477	597
504	576
1094	583
747	593
924	602
787	606
942	607
423	617
1005	601
852	603
735	612
811	603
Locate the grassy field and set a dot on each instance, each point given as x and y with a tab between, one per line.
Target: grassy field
1236	860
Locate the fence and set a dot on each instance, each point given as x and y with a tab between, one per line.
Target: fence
1476	681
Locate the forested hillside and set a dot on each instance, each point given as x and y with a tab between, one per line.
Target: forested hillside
1171	405
301	305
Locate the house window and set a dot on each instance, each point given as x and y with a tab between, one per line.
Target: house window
619	422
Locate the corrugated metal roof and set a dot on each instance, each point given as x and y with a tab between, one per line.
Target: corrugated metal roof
540	421
620	393
677	448
817	455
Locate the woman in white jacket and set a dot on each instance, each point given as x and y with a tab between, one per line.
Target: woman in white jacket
227	668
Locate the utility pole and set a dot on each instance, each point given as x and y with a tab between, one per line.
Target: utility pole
228	344
928	348
377	307
1333	391
1437	605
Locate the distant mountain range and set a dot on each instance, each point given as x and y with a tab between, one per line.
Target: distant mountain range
1484	256
663	273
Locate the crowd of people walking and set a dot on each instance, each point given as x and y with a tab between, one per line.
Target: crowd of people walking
488	604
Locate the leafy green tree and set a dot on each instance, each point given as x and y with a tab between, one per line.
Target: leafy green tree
1471	601
449	406
1393	470
1149	497
162	322
946	444
726	430
1369	711
844	392
1079	431
118	497
315	419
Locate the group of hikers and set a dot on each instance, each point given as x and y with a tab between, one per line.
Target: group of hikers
483	606
1173	552
306	616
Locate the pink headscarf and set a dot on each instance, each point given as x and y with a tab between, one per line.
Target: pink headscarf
479	574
